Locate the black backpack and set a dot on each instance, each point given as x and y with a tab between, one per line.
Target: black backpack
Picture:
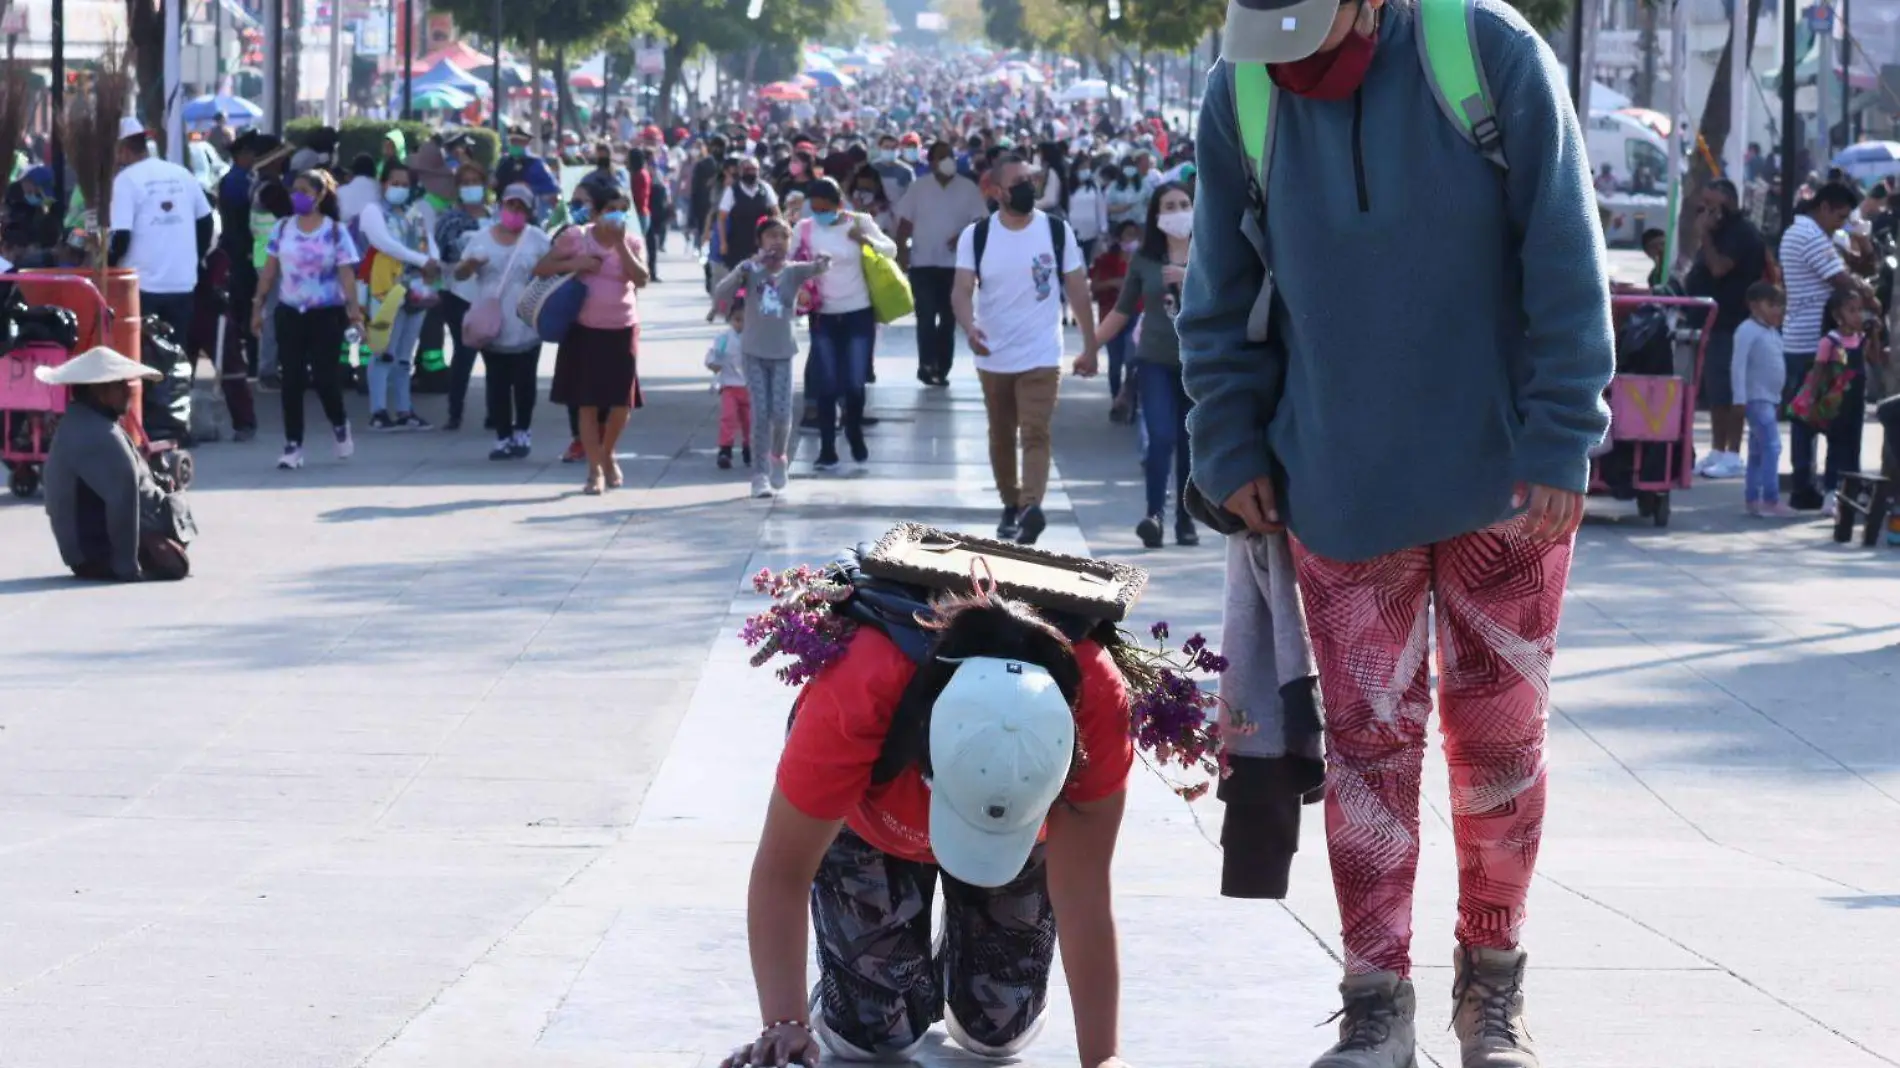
1058	237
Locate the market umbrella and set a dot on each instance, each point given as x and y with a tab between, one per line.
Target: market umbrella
442	98
829	79
512	77
783	91
446	75
1088	89
1869	159
239	111
586	82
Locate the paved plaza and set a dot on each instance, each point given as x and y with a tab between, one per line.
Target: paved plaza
437	763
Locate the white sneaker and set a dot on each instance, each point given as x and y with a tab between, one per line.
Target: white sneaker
761	486
1705	467
1730	465
1831	505
779	472
345	444
292	459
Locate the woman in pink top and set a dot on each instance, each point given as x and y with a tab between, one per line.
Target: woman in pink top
594	369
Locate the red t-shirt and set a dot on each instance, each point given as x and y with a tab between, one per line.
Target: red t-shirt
844	714
1111	265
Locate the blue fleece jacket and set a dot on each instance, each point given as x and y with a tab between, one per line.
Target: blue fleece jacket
1440	329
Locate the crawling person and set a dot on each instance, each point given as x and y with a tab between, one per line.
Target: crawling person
110	518
996	768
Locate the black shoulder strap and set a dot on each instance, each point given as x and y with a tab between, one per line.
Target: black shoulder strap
977	241
1059	238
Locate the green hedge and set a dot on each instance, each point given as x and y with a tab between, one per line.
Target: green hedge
366	135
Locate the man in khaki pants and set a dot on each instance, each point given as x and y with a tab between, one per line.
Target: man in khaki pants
1024	262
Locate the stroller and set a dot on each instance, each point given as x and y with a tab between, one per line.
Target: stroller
1650	451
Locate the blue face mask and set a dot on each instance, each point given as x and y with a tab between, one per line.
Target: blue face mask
614	218
397	195
825	218
35	200
578	212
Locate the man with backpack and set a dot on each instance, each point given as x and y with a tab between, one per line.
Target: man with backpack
1402	362
1025	263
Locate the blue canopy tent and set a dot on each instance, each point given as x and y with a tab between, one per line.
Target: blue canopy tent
203	111
831	79
446	75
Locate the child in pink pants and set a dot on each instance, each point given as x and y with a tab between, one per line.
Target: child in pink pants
735	400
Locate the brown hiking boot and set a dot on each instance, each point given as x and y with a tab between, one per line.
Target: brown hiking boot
1376	1028
1488	1009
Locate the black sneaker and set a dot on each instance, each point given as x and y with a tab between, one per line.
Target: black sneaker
1149	531
1011	526
1808	499
271	383
452	424
827	461
725	458
1033	525
868	421
927	376
1185	534
746	455
504	450
381	421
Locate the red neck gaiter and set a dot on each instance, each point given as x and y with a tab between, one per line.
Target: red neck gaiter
1333	75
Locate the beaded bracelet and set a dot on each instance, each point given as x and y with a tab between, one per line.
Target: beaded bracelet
776	1024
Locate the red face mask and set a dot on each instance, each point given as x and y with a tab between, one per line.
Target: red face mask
1333	75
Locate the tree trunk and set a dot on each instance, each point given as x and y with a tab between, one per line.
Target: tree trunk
670	79
146	24
1714	133
538	118
293	59
560	91
1646	44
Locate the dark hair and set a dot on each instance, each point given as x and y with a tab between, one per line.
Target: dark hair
945	147
1120	228
716	146
1835	302
326	191
1724	187
869	171
600	194
1766	293
636	160
1154	243
395	165
363	165
274	196
1878	192
1652	232
773	222
824	189
969	627
1833	194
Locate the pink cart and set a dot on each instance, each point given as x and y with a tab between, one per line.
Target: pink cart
1650	451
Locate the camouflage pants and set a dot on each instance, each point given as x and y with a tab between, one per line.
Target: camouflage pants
881	984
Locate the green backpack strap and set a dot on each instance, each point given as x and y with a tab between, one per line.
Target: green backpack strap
1448	49
1254	107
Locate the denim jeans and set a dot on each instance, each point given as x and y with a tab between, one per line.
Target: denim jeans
1164	411
1843	434
1763	482
1118	347
839	366
462	360
389	369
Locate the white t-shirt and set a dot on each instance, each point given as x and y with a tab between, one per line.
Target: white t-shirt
355	195
726	199
505	275
1019	301
160	203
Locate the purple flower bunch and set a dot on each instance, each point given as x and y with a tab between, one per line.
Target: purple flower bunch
800	624
1170	715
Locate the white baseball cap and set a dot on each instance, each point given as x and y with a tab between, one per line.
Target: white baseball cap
1275	31
130	127
1001	741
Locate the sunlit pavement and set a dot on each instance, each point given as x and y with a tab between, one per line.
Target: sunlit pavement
437	762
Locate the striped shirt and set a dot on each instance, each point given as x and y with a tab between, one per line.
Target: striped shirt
1808	262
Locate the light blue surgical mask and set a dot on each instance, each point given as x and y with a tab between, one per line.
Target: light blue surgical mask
397	195
614	218
825	218
473	194
578	212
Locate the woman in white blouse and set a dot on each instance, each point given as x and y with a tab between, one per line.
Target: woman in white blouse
843	324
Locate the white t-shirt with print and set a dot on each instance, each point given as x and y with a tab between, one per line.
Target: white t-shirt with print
1019	297
160	203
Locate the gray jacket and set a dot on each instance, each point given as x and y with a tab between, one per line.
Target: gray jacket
97	491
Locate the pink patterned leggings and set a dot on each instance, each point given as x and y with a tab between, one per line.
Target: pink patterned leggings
1495	597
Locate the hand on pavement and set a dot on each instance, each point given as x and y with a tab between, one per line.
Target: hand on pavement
1256	505
1549	514
777	1047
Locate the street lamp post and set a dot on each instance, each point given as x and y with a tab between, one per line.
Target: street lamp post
1789	142
59	106
408	59
494	74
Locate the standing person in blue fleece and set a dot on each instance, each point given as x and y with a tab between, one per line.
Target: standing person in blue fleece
1415	399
